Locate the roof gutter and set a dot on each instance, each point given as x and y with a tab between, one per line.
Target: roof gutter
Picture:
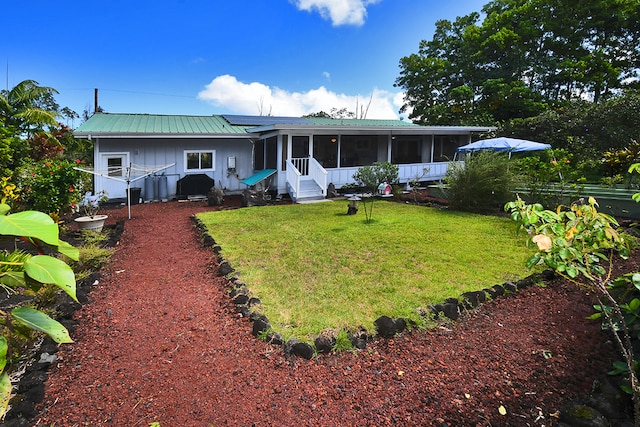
89	135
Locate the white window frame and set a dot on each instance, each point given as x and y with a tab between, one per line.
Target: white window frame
199	152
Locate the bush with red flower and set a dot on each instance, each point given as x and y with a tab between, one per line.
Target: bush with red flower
49	185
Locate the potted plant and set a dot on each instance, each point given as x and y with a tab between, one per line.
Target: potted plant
90	204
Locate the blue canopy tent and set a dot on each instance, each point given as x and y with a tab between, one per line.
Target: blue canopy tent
511	145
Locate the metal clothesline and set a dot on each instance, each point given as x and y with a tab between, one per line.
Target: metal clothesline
129	174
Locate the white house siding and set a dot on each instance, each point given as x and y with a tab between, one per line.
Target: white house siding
164	151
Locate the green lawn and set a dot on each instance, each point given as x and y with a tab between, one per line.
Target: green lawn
314	267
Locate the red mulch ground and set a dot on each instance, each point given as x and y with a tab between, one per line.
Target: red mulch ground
160	341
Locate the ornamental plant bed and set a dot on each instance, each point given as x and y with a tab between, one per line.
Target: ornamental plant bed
31	353
159	340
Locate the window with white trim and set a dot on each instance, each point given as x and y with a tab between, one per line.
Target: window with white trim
199	160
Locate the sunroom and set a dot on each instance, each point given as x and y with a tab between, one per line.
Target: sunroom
310	157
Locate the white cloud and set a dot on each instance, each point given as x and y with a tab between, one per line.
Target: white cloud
326	75
398	101
259	99
340	12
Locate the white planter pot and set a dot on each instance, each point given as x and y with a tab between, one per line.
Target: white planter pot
93	223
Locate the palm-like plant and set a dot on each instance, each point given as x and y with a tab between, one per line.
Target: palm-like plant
28	107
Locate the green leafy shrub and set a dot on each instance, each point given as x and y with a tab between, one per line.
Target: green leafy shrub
49	186
618	162
92	258
484	182
548	177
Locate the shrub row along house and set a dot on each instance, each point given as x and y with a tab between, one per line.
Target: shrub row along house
186	155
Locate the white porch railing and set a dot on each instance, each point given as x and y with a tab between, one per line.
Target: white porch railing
406	172
318	174
435	171
297	168
293	179
342	176
302	164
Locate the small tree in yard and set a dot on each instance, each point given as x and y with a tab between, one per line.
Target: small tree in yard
575	241
370	177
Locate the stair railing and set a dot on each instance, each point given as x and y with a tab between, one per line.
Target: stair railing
318	174
293	179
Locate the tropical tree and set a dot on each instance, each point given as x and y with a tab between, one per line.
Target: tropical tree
585	129
524	57
38	154
28	107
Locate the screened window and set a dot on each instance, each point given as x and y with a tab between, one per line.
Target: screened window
325	150
406	149
271	153
444	147
358	150
195	160
265	153
258	155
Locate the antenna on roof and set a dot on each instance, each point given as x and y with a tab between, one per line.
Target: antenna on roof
95	100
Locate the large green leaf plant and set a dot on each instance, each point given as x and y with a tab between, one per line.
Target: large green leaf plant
21	271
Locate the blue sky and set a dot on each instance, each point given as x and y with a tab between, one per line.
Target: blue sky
203	57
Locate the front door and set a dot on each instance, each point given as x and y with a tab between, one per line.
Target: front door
113	174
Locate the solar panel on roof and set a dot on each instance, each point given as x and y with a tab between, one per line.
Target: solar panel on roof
264	120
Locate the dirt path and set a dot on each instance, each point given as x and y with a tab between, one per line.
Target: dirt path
159	341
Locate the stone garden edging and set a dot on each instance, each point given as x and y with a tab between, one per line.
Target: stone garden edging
386	327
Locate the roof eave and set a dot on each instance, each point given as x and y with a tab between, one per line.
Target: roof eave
133	135
381	129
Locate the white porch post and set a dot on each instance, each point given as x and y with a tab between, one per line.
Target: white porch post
280	166
389	145
264	152
279	152
433	146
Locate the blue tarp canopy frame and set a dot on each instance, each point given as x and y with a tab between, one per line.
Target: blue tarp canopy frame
504	144
258	176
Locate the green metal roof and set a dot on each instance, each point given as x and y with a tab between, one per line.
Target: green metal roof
108	123
143	125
